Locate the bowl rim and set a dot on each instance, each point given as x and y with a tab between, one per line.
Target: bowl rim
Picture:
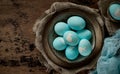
66	63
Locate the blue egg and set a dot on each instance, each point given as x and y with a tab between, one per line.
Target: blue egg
60	28
71	38
114	11
71	52
59	44
76	22
84	34
85	47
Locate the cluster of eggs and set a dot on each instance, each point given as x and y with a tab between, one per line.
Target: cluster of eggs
73	38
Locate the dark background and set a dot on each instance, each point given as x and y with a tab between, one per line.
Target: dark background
18	54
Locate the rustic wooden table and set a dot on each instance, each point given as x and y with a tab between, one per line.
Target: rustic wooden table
18	54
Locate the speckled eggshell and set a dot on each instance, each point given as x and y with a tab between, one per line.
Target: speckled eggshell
76	22
59	44
114	11
85	47
71	38
71	52
84	34
60	28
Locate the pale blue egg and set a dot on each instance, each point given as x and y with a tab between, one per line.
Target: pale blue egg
114	10
59	44
71	52
76	22
84	34
85	47
60	28
71	38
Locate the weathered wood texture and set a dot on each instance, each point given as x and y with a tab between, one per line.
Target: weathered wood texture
18	54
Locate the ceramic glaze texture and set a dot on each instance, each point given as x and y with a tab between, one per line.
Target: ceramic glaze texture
71	52
85	47
85	34
76	22
114	11
71	38
59	44
60	28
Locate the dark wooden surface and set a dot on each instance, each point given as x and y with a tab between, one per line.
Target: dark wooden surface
18	54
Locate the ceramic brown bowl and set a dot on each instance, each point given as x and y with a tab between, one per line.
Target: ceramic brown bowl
111	24
45	35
